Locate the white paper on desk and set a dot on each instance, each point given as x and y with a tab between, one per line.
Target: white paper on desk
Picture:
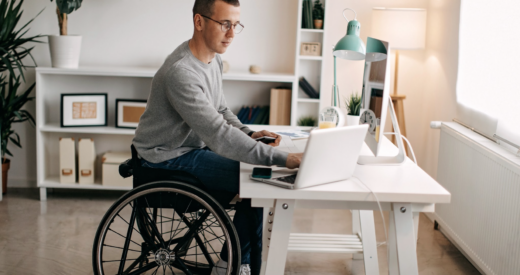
294	133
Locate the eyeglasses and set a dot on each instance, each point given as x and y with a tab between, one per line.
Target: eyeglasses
227	25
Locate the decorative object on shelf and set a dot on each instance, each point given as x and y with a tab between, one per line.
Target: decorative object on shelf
307	88
83	110
353	107
280	113
129	112
254	69
67	160
307	121
318	15
225	66
14	52
86	160
10	112
331	117
307	15
310	49
406	30
110	165
64	48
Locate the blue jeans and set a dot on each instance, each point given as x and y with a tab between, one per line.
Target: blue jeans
221	174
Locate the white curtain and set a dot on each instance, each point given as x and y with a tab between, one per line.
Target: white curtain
488	84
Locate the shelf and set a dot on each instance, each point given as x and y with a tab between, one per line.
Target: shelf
54	182
312	30
303	57
309	100
150	72
111	130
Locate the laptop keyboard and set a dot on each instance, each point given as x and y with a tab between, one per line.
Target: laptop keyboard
288	179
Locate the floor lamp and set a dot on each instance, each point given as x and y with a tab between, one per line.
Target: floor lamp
405	29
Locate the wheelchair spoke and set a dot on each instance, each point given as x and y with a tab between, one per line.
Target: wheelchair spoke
193	230
123	236
127	222
182	266
127	241
154	228
129	249
134	264
145	268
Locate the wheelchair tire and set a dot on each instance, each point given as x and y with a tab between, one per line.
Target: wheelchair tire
132	238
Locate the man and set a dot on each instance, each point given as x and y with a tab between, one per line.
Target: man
187	125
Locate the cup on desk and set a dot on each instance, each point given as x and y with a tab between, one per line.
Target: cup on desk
327	120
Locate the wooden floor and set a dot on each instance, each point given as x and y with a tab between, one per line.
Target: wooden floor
55	237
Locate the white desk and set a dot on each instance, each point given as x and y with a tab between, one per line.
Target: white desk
406	188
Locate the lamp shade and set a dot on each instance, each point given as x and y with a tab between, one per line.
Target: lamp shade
351	47
376	50
404	29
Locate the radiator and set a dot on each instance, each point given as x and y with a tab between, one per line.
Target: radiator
483	218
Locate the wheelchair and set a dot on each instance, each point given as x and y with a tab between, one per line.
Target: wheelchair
167	224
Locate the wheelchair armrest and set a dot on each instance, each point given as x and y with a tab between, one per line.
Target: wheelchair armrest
126	168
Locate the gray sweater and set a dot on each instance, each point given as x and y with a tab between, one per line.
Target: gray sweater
187	110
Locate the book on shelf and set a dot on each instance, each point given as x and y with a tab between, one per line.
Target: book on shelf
280	110
307	22
307	88
253	115
260	118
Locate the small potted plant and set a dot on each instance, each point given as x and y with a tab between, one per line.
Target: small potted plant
307	121
353	107
318	14
65	48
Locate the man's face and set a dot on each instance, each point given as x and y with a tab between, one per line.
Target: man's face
217	40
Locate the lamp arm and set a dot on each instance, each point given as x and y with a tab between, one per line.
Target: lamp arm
355	14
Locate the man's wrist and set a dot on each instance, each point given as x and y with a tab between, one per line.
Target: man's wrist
251	133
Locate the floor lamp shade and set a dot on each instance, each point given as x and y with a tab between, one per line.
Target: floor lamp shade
404	29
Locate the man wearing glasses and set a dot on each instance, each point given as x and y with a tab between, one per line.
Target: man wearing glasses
188	126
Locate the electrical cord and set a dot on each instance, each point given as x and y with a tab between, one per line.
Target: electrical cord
407	143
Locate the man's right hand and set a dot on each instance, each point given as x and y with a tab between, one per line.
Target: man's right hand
293	160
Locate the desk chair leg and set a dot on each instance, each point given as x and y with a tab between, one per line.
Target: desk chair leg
281	229
393	266
266	236
356	230
405	238
368	230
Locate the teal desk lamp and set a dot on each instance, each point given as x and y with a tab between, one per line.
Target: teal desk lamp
350	47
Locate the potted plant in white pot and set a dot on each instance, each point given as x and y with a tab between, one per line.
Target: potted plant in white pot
353	108
12	53
65	48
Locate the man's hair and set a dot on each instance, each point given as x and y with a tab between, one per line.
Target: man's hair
205	7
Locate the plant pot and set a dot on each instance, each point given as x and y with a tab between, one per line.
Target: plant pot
65	50
352	120
318	23
5	168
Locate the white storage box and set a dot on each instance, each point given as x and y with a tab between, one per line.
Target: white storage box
111	162
67	160
86	160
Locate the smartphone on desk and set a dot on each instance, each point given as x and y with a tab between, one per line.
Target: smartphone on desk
262	173
266	140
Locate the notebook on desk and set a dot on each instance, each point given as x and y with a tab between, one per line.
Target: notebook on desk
330	155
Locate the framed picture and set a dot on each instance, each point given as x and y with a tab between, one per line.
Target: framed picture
129	112
83	110
310	49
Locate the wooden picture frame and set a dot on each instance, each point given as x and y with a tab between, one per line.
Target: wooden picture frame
128	112
83	110
310	49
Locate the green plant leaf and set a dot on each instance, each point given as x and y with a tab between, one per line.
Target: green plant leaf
17	143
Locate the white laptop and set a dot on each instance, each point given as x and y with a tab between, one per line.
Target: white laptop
330	155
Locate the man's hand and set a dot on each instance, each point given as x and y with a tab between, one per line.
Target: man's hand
265	133
293	160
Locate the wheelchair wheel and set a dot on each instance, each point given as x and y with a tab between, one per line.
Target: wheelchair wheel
165	227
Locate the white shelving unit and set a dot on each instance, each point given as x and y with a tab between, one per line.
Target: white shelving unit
310	67
117	82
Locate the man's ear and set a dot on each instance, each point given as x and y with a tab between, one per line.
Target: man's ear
197	20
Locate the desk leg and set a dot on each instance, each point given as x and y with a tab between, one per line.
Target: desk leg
368	230
266	236
356	230
416	225
281	229
393	266
405	238
43	194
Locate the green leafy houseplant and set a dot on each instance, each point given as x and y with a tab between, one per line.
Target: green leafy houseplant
307	121
318	12
354	104
63	9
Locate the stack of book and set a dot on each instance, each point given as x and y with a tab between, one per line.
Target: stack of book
308	89
307	22
254	115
